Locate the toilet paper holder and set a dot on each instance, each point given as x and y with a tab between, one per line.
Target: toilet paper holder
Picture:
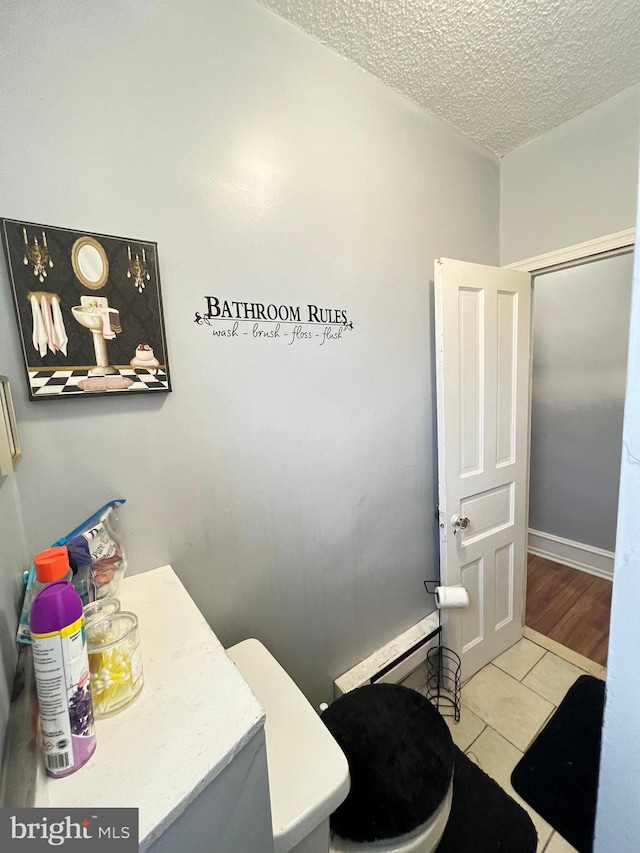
443	669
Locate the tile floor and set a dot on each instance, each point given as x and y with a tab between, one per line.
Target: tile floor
505	705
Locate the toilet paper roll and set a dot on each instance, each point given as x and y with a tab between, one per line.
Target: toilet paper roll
451	596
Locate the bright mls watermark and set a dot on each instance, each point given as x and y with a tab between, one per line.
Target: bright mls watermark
69	829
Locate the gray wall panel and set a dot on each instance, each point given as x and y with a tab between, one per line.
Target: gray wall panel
580	334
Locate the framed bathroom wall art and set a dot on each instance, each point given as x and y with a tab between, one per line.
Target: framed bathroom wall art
89	311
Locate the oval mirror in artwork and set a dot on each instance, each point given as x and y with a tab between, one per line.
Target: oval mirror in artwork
90	263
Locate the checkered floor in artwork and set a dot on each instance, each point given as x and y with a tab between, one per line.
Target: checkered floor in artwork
65	382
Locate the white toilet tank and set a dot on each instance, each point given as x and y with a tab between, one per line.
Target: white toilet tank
308	772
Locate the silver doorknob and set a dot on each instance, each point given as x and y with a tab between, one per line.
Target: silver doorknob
458	522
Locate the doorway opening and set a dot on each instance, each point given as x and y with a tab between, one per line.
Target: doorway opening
580	310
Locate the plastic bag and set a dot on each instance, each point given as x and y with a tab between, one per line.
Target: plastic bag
96	556
95	544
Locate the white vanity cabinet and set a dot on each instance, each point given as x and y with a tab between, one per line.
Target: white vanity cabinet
189	752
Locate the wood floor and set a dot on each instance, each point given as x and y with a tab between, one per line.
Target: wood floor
569	606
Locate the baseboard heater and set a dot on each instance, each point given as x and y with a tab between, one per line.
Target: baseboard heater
396	660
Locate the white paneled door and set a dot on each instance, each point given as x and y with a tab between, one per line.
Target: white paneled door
483	343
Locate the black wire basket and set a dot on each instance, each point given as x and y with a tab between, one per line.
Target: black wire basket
443	673
443	681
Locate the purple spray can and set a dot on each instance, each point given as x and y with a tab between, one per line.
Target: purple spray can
61	668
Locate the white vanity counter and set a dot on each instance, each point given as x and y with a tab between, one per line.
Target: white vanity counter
193	716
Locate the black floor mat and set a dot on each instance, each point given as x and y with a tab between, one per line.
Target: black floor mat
484	819
558	774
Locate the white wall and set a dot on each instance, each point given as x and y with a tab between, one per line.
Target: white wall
574	183
291	488
618	815
580	334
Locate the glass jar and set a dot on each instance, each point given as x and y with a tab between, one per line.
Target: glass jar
115	661
100	608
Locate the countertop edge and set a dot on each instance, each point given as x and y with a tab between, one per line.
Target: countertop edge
160	828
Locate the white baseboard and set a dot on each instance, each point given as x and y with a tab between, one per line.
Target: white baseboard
398	659
586	558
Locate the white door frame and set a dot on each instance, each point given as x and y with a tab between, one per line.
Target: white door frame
571	256
592	250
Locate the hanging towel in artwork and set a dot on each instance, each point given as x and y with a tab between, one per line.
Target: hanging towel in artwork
114	320
39	336
107	332
48	324
58	325
47	319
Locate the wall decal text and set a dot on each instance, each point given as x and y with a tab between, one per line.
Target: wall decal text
289	323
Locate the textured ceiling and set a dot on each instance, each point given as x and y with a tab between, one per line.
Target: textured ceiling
501	71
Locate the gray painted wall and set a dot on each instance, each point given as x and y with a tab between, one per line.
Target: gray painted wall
573	184
580	334
291	488
13	561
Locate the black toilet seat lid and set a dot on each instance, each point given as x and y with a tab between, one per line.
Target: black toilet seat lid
400	756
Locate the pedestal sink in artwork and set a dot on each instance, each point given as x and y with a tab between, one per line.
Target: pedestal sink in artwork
90	314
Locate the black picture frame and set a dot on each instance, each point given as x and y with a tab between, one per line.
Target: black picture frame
89	311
